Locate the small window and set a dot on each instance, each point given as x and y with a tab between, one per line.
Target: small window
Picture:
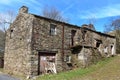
11	30
68	59
52	29
11	34
97	44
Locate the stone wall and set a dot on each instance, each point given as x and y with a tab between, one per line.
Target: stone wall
93	48
74	46
43	41
18	45
108	42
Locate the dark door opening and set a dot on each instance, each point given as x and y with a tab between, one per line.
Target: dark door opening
72	36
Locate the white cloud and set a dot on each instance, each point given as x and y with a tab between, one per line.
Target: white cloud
34	4
10	2
107	11
6	2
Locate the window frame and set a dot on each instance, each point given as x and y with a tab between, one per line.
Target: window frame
53	30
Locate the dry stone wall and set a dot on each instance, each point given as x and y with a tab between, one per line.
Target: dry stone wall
18	46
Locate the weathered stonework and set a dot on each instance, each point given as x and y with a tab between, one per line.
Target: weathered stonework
18	45
29	41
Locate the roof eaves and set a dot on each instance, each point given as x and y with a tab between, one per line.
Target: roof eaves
76	26
56	21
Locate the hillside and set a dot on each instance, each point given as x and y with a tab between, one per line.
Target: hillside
2	41
108	69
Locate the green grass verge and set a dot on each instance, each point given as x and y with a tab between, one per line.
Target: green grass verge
1	69
77	73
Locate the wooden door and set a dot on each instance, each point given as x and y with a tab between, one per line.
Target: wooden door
47	63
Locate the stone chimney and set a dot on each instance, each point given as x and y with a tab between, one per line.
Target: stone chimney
23	9
85	26
91	26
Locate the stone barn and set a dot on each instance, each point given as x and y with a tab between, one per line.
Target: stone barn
36	45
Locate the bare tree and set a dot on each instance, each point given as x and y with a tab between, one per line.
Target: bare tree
5	20
114	28
53	13
116	24
107	28
92	20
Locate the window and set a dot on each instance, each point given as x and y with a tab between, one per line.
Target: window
11	34
68	59
52	29
105	49
73	32
97	44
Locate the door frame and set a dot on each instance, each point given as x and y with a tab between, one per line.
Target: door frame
43	53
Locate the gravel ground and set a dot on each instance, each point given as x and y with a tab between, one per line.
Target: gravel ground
7	77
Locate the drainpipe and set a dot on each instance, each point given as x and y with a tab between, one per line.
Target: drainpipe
62	44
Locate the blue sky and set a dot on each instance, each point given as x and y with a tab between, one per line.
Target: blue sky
79	12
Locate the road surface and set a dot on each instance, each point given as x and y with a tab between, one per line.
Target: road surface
7	77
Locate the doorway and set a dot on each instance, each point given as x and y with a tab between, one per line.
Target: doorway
46	63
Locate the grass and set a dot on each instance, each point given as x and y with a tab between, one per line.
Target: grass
110	71
77	73
1	69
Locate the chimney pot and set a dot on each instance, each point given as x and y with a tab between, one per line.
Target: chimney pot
23	9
